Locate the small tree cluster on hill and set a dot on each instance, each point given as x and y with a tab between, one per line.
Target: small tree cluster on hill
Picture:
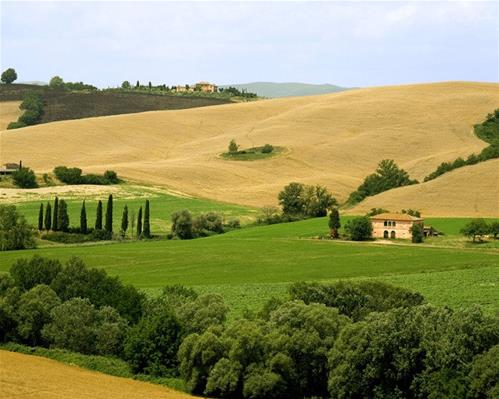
9	76
297	199
32	106
75	176
185	226
24	177
387	176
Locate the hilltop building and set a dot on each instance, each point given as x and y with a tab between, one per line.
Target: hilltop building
205	87
394	225
9	168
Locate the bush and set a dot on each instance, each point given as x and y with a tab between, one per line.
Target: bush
68	175
24	178
233	147
417	233
15	233
16	125
182	226
267	149
28	273
207	223
111	176
75	176
359	229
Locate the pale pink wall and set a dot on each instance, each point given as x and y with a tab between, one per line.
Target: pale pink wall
402	229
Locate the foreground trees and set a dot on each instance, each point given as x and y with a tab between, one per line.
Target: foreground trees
15	233
299	200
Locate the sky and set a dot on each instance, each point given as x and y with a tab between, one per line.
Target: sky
352	44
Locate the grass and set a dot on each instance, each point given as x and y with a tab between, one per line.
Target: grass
252	264
252	154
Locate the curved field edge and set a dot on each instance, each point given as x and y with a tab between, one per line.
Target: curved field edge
27	375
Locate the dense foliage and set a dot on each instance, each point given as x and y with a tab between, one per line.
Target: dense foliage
24	178
75	176
185	226
299	200
15	232
32	105
476	229
387	176
359	229
9	76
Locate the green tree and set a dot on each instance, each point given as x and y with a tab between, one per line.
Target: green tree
126	85
109	214
9	76
28	273
317	201
48	217
484	375
203	312
477	228
147	226
417	233
83	219
63	217
359	229
150	85
291	199
40	218
139	223
15	232
56	81
124	221
494	229
98	217
24	178
182	225
33	312
137	85
55	221
334	222
233	147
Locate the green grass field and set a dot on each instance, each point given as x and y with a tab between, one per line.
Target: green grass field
250	265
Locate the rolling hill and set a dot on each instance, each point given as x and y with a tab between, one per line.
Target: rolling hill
9	112
36	377
334	140
275	90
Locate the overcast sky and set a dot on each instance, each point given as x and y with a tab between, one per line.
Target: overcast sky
344	43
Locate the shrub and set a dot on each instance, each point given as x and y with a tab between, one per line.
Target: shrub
267	149
233	147
24	178
75	176
417	233
68	175
111	176
359	229
15	233
182	226
233	224
16	125
207	223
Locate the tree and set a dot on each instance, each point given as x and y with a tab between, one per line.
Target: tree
233	147
15	232
147	227
63	217
28	273
83	219
24	178
150	85
55	226
494	229
124	221
182	225
476	228
137	85
359	229
139	224
197	315
291	199
151	345
48	217
9	76
98	217
126	85
317	201
56	81
109	214
484	375
40	218
417	233
334	222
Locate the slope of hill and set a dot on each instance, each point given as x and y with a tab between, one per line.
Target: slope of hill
334	140
274	90
62	105
469	191
9	112
36	377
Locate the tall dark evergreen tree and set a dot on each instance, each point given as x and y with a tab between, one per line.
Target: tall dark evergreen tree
147	227
334	222
139	223
124	221
48	217
98	218
40	218
83	219
63	217
55	226
109	214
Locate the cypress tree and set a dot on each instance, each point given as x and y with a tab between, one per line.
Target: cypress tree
334	222
147	226
139	223
55	222
98	218
63	217
83	219
109	214
40	218
124	221
48	217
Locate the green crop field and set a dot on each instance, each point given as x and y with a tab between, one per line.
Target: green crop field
250	265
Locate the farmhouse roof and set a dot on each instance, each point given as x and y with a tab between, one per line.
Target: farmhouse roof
396	216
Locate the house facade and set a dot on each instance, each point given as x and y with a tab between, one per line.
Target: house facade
394	225
205	87
9	168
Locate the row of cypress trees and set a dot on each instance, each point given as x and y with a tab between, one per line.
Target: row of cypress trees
59	221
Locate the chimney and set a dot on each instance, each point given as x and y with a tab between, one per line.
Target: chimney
20	164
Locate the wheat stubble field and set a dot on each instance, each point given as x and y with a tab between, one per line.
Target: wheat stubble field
9	112
334	140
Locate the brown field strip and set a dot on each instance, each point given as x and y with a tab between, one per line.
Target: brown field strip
9	112
25	376
334	140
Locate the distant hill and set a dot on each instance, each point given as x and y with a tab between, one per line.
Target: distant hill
273	90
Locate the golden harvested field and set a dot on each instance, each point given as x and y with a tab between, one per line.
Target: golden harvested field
334	140
470	191
40	378
9	112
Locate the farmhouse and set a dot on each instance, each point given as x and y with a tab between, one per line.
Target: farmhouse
205	87
9	168
394	225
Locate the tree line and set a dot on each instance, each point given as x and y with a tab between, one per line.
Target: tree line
362	339
32	105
